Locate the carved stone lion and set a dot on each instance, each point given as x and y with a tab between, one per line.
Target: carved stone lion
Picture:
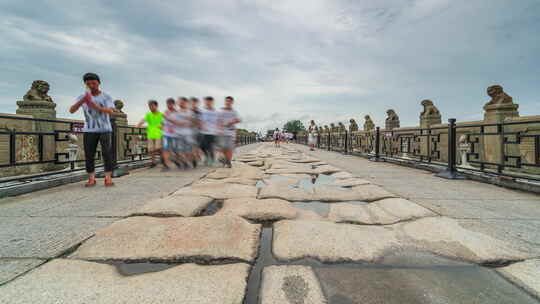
352	125
118	105
392	120
38	91
333	127
429	109
326	129
341	127
498	96
368	124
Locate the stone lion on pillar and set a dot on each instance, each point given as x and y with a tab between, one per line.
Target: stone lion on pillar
326	129
118	105
333	127
38	91
368	124
430	110
341	127
392	120
352	125
498	96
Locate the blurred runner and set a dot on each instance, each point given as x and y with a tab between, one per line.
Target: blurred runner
276	136
170	140
153	120
185	132
228	118
196	130
209	127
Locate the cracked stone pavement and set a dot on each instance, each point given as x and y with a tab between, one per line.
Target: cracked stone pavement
284	225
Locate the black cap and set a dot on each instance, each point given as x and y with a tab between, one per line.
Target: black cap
91	76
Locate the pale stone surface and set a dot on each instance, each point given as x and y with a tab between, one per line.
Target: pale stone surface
256	163
367	193
383	212
330	242
349	182
308	215
219	191
78	282
291	170
258	210
239	170
291	284
445	236
285	193
175	205
342	175
229	180
12	268
326	169
206	238
525	274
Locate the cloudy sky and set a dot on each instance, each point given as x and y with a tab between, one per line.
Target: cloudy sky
282	59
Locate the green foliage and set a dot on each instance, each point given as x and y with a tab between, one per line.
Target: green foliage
294	126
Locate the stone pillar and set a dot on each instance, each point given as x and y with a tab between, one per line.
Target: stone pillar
430	115
500	107
392	121
120	119
39	105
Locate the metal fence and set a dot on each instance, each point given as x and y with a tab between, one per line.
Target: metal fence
510	149
48	146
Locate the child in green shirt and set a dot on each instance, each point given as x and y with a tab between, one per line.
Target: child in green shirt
153	120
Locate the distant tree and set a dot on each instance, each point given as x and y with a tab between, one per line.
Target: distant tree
294	126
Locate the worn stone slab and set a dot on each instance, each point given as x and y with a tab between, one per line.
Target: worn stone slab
81	282
239	170
291	284
383	212
285	193
349	182
342	175
256	163
326	169
291	170
12	268
175	205
258	210
525	274
447	237
229	180
366	193
45	237
308	215
341	242
206	239
329	242
219	191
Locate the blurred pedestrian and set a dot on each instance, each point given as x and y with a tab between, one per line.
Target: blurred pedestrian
228	118
153	120
209	128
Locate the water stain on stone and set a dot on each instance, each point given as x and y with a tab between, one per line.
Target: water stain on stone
131	269
295	288
320	208
212	208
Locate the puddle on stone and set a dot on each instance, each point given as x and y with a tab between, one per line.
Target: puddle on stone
406	277
212	208
323	178
320	208
260	184
131	269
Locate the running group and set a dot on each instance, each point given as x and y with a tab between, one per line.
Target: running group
181	136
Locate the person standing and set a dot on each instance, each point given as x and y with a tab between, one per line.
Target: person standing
97	107
228	118
153	120
276	136
312	135
209	126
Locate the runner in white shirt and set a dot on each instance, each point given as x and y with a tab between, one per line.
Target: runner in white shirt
228	118
209	127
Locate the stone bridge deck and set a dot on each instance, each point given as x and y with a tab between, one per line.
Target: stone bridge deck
284	225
